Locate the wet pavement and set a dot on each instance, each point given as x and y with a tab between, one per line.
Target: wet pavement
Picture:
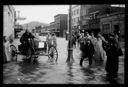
45	72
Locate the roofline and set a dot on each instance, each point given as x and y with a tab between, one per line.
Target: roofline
112	14
59	15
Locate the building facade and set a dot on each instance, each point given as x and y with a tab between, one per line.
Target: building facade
94	12
84	16
80	17
113	23
9	21
92	18
61	24
75	17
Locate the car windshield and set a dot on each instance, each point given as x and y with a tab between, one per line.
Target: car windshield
42	36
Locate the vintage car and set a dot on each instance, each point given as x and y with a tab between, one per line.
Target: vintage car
39	47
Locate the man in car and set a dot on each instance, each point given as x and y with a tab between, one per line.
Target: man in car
24	39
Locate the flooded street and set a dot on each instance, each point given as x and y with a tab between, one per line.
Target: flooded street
44	72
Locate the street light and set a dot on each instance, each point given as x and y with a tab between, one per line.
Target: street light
70	47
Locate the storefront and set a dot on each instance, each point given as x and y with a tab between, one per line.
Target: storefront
113	23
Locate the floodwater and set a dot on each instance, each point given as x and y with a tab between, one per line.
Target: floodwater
45	72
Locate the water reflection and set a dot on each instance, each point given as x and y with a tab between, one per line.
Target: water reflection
88	73
45	72
28	68
70	73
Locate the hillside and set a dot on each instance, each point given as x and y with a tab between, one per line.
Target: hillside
33	24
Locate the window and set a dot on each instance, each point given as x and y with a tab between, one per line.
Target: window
72	13
9	13
77	11
77	19
72	21
106	28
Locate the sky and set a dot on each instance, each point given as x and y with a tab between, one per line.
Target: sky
40	13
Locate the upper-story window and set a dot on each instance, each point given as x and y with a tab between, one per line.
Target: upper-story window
77	11
106	28
72	13
78	19
9	13
72	20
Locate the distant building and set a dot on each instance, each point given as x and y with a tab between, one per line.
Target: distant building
61	24
52	26
44	28
9	21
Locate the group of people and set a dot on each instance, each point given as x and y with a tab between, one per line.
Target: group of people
51	39
97	48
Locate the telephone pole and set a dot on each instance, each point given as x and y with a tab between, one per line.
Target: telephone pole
70	47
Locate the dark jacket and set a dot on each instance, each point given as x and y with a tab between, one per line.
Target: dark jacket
112	57
89	49
25	37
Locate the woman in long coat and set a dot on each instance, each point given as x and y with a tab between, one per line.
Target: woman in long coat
112	57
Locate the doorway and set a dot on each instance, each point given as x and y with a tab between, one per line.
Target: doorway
116	29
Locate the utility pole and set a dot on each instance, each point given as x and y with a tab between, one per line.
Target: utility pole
81	16
70	47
